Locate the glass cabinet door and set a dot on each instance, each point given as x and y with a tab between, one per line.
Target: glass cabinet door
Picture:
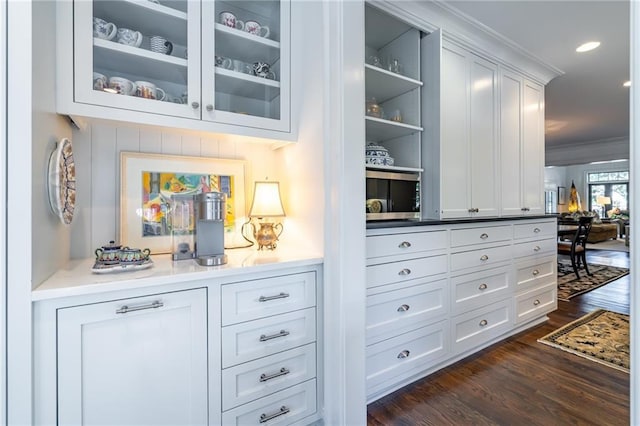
246	62
141	55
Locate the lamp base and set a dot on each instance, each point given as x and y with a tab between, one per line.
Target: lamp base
266	236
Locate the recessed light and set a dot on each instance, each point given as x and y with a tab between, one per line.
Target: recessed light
588	46
627	84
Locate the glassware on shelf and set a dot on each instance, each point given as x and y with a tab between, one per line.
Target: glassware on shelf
375	61
373	109
395	66
396	116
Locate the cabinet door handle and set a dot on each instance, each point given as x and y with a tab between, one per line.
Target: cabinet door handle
403	308
283	372
484	257
536	302
404	244
524	209
482	286
404	354
405	271
535	272
282	295
536	230
264	417
282	333
195	105
209	107
153	305
483	323
536	248
484	236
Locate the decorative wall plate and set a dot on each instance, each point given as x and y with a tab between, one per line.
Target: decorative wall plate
62	181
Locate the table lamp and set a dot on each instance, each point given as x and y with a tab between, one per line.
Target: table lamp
603	201
266	206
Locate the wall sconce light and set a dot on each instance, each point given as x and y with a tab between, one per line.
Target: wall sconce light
266	206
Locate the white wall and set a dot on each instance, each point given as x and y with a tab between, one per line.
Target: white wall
587	152
3	215
50	237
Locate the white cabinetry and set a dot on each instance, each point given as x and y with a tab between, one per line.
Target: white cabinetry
204	81
240	349
521	145
438	293
392	81
269	350
468	135
134	361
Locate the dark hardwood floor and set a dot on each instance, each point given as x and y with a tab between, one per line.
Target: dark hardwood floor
520	381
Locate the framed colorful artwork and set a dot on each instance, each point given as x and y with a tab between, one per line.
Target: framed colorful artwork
148	182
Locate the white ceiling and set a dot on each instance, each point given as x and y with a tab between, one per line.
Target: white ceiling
588	103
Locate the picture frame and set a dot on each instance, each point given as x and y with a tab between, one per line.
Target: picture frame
562	195
147	182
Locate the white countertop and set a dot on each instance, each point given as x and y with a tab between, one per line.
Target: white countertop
76	277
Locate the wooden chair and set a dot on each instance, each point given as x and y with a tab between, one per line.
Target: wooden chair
576	249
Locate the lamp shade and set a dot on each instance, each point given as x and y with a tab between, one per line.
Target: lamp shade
603	201
266	200
574	199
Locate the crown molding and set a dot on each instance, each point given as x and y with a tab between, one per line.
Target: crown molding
471	34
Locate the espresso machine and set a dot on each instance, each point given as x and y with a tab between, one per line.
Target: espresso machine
210	213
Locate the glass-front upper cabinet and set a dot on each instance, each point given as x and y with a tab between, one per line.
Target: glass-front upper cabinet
140	55
246	63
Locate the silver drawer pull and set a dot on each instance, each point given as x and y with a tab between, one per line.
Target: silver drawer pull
403	308
282	333
154	305
483	323
536	248
536	302
524	209
484	257
536	230
484	236
482	286
266	417
282	295
405	271
283	372
535	272
404	354
404	244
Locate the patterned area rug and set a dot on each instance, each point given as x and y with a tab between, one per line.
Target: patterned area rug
569	286
601	336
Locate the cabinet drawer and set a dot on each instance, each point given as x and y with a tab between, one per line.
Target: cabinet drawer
252	380
537	230
389	358
285	407
477	327
248	300
480	257
387	273
250	340
536	302
389	245
484	235
397	311
535	273
535	247
473	290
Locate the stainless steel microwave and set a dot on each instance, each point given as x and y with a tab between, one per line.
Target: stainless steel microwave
392	195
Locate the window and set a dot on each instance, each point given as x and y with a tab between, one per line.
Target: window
608	190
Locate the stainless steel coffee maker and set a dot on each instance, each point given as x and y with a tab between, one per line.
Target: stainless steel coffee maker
210	213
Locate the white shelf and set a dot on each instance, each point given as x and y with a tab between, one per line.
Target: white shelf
236	44
394	168
133	60
379	130
145	16
248	86
384	85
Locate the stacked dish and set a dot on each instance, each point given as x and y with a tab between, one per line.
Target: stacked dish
377	155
